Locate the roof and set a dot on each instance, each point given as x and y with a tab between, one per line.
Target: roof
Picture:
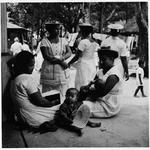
14	26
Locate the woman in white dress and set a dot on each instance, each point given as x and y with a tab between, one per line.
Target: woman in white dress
120	46
85	57
55	51
107	87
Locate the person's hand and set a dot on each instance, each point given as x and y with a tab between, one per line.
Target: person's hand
84	89
126	76
69	65
64	65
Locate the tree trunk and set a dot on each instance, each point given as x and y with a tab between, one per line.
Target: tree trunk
101	18
143	39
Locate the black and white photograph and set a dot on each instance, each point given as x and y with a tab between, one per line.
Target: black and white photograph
74	74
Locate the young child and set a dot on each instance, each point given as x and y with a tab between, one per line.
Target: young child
139	79
68	111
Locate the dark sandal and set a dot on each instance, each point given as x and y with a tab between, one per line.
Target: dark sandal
94	124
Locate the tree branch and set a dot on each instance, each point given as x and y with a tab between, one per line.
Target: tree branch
111	15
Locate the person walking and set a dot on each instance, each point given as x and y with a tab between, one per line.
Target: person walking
55	51
84	58
139	79
119	45
16	47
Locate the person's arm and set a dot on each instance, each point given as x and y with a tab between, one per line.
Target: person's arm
46	55
68	53
125	66
140	79
111	81
76	57
63	114
37	99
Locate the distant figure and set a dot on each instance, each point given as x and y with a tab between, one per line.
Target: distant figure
139	79
16	47
39	58
25	46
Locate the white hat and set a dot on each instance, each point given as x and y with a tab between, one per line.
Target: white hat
16	39
115	26
82	116
85	25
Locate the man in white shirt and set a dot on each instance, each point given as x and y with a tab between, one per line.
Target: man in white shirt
25	46
117	44
16	47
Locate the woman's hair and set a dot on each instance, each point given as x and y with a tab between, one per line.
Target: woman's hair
70	90
86	31
141	62
22	61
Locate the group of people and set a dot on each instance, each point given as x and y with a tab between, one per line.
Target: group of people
96	90
17	47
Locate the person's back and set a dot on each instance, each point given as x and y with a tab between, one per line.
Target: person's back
116	44
88	49
29	103
16	47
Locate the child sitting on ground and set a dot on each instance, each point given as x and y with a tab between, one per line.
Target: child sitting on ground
68	111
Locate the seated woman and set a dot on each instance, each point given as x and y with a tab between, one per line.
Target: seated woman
105	102
30	106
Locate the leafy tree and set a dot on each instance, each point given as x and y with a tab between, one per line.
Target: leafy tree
34	15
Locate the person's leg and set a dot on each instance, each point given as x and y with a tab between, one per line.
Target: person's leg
73	129
48	126
136	91
142	91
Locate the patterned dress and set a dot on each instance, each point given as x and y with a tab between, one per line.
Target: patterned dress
53	76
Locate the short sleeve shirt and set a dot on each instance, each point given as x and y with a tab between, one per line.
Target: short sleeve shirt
116	44
139	71
21	88
88	48
16	48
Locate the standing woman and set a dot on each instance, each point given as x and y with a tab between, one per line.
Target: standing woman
55	51
118	45
84	58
